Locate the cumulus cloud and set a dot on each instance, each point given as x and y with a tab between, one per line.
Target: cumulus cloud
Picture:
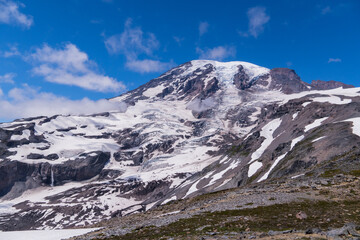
217	53
70	66
13	51
10	14
133	43
257	19
29	102
148	65
334	60
7	78
203	28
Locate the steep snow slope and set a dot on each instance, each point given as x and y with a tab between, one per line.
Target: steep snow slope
200	127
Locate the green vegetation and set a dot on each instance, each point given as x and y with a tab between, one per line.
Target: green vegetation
234	150
331	173
355	173
321	214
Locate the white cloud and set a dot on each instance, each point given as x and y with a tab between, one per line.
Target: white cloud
178	40
72	67
7	78
30	102
13	51
10	14
325	10
334	60
148	65
203	28
133	43
216	53
257	19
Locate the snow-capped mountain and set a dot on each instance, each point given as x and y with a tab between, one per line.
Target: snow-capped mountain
200	127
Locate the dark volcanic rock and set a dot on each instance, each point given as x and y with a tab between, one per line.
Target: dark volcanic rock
287	80
35	156
75	170
241	79
325	85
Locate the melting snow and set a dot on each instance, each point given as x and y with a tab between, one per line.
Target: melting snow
295	141
267	132
152	92
296	176
168	200
25	134
254	167
295	115
315	124
192	189
265	176
305	104
45	234
332	100
356	125
277	96
317	139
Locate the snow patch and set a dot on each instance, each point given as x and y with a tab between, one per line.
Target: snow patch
296	176
152	92
254	167
295	141
295	115
356	125
265	176
173	198
267	132
305	104
315	124
25	135
317	139
333	100
45	234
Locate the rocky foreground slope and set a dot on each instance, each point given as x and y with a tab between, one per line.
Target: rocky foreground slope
203	126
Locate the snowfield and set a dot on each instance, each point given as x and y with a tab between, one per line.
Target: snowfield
45	234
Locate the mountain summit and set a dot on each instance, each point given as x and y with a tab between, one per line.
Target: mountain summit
201	127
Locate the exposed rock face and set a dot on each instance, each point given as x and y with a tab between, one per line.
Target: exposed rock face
324	85
80	169
200	127
287	81
241	79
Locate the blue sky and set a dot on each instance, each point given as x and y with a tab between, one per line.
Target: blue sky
66	56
